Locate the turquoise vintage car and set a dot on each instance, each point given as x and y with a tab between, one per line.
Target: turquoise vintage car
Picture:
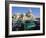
27	24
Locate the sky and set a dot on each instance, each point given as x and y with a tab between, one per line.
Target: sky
35	11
